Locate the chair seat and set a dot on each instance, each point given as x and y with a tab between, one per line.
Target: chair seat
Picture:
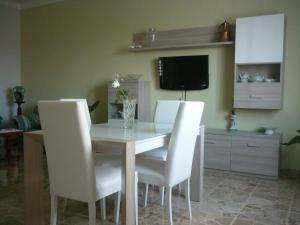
159	154
151	172
108	174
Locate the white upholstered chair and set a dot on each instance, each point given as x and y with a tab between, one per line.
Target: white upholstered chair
74	171
165	112
177	168
86	108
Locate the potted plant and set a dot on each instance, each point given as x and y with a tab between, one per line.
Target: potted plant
294	140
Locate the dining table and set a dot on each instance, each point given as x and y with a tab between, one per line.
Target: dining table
109	137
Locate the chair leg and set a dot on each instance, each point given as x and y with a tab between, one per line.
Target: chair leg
53	218
187	197
179	188
103	208
117	207
92	213
169	194
146	195
136	200
162	195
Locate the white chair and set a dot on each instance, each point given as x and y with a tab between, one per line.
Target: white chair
166	111
74	172
86	108
177	168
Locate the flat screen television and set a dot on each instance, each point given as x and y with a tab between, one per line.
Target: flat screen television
183	72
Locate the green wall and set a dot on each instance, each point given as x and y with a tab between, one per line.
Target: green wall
72	49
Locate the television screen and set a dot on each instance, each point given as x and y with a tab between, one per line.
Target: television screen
183	72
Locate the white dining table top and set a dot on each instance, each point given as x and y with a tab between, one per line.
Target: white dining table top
139	132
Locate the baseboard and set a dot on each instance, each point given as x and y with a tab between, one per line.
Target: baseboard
290	173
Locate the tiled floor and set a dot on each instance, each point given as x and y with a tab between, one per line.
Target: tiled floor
229	199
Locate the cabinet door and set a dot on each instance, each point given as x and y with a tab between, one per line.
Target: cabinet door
255	155
259	39
217	151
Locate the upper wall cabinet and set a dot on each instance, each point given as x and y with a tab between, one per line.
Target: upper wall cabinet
259	39
259	62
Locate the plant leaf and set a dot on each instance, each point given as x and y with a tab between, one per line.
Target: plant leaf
294	140
93	106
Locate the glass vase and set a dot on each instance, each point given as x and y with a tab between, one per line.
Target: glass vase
129	112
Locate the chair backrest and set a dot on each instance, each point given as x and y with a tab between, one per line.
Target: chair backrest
182	142
68	149
166	111
86	107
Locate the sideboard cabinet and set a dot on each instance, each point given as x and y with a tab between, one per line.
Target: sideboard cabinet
242	151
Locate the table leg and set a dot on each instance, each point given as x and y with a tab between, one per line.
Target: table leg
198	168
33	178
128	184
8	150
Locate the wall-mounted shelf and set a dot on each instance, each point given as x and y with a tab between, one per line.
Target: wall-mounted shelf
184	46
179	39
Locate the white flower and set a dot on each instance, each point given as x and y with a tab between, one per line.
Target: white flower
115	83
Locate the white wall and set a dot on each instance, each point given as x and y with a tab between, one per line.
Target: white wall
10	62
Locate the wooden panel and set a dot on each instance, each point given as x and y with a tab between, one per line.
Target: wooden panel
217	151
198	167
258	95
259	39
255	155
33	180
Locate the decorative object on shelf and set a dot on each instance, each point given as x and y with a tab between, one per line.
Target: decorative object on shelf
269	130
129	104
257	77
224	31
132	76
151	36
243	77
294	140
19	92
232	121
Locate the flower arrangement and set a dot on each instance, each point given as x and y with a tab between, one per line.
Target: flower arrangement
122	94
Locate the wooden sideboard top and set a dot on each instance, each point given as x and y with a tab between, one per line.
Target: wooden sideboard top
257	134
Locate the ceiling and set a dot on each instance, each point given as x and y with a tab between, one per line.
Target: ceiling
23	4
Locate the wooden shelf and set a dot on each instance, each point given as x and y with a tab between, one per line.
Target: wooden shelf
184	46
198	37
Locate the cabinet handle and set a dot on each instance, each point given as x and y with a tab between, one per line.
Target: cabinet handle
255	97
210	142
253	146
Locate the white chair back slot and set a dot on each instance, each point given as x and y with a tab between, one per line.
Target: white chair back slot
86	108
69	149
166	111
182	143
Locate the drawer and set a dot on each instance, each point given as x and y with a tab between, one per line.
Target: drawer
217	151
257	95
255	155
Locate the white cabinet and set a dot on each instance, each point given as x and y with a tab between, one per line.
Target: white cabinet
259	54
259	39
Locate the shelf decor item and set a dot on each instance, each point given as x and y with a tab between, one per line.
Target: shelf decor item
129	104
232	121
19	92
224	31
